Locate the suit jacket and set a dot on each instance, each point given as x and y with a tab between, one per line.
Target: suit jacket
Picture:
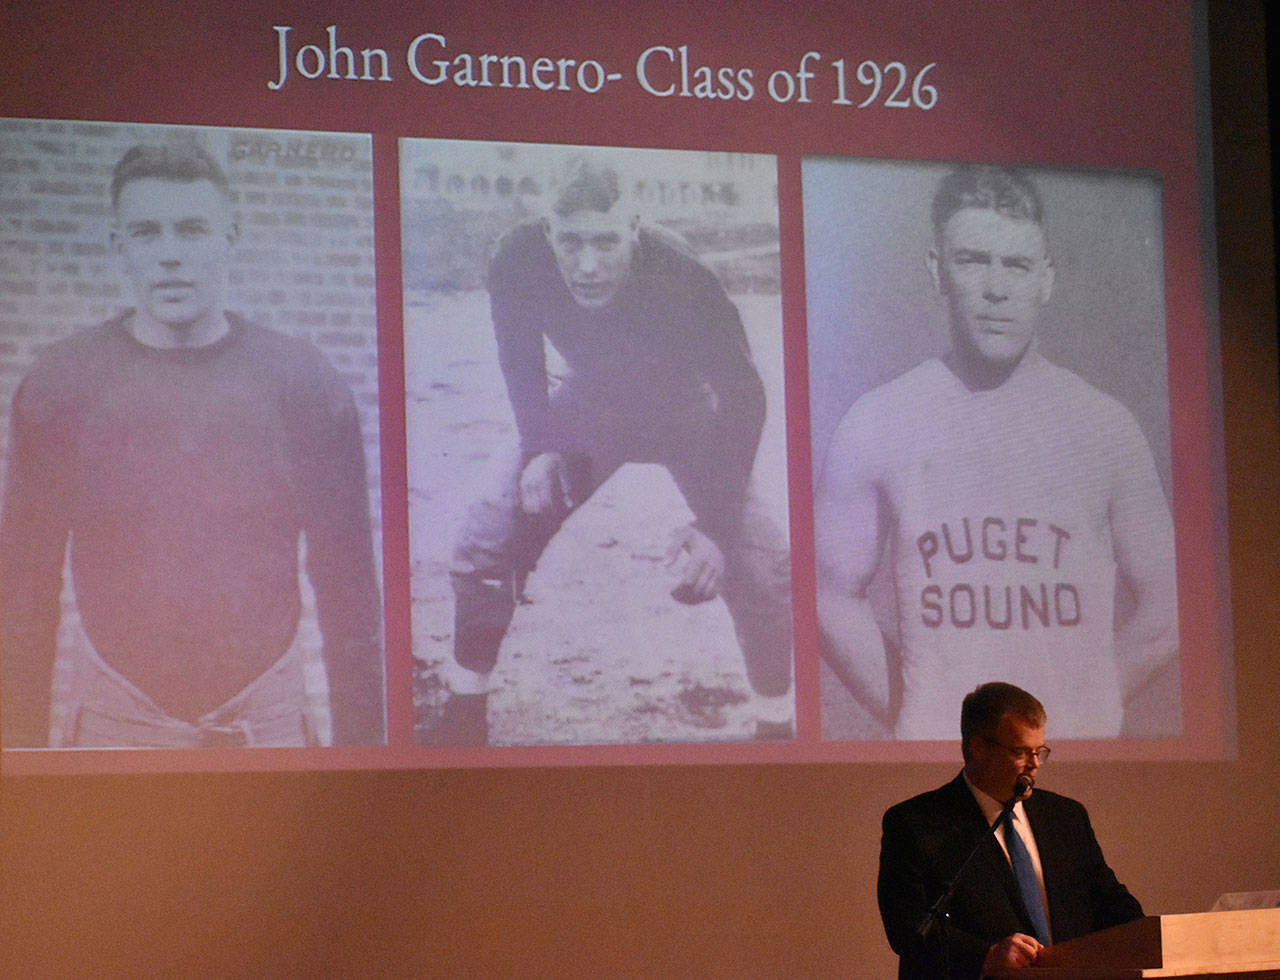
927	838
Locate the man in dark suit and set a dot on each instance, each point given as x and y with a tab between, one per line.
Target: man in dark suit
991	922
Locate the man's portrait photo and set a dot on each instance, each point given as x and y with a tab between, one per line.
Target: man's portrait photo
990	424
596	450
187	547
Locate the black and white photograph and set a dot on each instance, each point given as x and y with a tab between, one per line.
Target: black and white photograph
188	374
596	445
990	427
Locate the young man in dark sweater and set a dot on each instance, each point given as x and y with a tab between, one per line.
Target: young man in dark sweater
184	453
659	371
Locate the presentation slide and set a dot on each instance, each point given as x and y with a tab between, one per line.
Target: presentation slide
484	386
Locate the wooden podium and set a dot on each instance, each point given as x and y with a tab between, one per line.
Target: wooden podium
1221	945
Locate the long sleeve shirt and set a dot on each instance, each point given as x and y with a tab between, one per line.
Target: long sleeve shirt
668	358
184	480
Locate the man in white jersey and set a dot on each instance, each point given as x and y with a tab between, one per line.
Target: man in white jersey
1009	497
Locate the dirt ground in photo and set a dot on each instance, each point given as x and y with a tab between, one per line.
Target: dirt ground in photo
598	651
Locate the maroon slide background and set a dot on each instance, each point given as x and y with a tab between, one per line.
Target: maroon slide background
592	869
1015	83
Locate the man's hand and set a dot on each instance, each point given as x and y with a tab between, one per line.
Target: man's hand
699	564
1011	953
544	484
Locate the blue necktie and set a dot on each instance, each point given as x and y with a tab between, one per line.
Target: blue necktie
1028	884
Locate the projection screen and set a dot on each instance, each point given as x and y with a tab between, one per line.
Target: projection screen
413	389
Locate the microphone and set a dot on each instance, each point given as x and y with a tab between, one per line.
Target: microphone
932	919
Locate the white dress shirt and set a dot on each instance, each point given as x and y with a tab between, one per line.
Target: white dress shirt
991	808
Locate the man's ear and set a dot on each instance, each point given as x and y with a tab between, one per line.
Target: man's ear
931	262
1046	282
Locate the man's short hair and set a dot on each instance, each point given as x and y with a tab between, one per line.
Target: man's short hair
587	184
179	160
984	706
1005	190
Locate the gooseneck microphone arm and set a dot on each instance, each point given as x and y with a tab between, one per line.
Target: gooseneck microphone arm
937	911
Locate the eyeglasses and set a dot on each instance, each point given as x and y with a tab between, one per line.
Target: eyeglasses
1041	755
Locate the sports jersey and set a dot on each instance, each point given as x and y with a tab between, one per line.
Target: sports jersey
660	374
666	363
1002	504
183	479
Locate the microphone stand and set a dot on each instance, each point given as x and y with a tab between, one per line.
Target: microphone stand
934	919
